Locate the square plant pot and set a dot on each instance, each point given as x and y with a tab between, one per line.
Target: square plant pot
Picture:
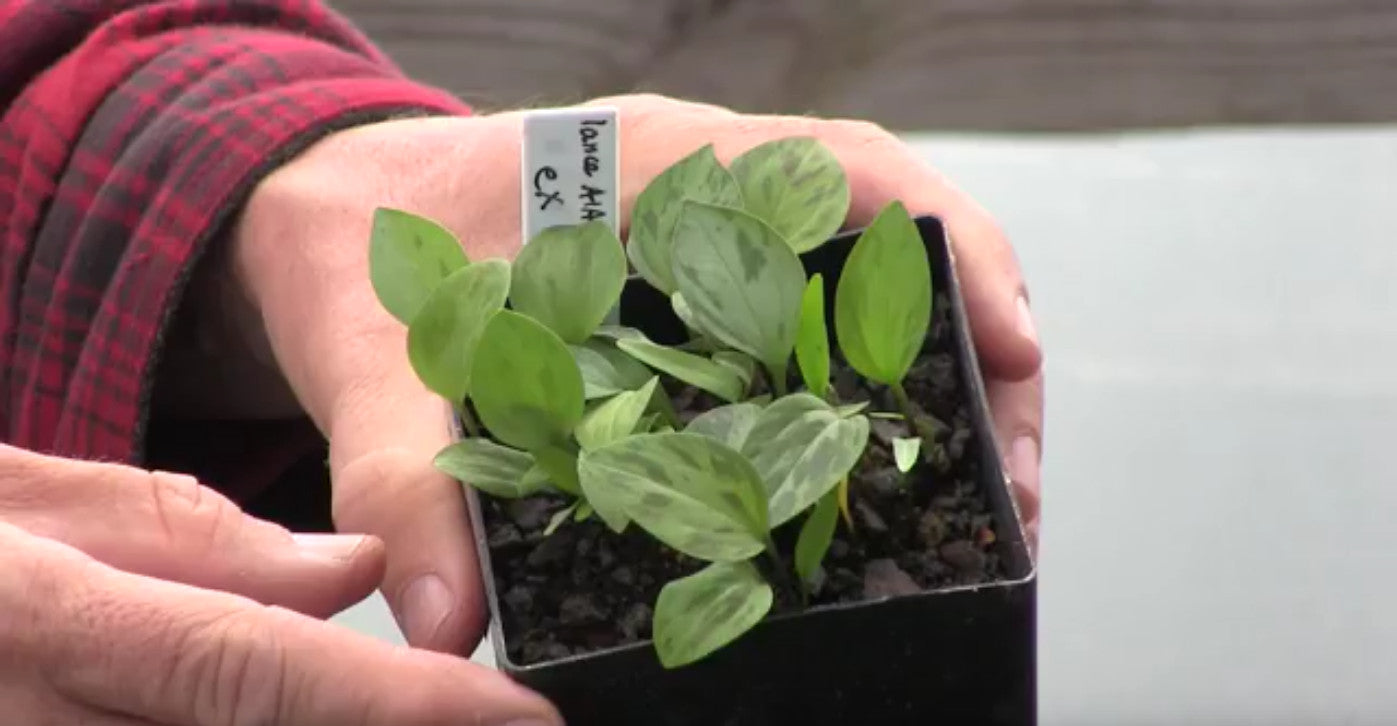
960	650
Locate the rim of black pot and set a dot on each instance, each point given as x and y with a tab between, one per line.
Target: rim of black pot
972	379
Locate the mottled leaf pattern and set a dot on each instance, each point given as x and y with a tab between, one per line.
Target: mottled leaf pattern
689	491
442	339
560	463
606	371
698	176
882	306
812	340
816	534
742	283
698	614
905	453
801	448
616	418
687	367
796	185
485	465
728	424
569	278
408	257
525	385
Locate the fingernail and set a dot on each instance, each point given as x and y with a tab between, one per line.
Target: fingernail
1024	469
425	605
1025	322
336	547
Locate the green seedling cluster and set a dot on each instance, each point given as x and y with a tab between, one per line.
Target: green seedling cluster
555	401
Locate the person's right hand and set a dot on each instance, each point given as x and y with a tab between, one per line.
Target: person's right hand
132	598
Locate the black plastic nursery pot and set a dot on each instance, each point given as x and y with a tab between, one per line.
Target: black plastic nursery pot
960	653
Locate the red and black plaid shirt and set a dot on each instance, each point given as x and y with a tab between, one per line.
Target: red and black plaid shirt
132	130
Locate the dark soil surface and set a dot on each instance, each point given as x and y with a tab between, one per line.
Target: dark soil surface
586	588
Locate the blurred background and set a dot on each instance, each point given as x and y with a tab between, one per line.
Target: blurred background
1203	195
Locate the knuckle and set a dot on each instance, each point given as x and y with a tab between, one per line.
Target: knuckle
231	669
189	513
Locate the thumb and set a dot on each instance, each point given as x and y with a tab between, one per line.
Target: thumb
170	527
383	438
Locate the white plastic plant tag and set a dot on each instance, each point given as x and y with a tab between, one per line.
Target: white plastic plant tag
570	168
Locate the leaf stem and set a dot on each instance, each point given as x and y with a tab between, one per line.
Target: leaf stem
923	427
467	420
777	373
783	575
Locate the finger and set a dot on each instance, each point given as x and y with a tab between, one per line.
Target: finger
1017	409
384	435
169	526
146	648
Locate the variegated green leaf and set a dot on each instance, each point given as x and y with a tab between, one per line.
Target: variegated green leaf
742	283
559	463
802	447
409	256
812	340
905	452
687	367
687	490
525	386
584	510
728	424
616	418
442	340
605	370
739	363
882	306
797	186
569	277
698	614
698	176
485	465
816	534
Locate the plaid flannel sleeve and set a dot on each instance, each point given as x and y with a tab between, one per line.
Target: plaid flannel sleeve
131	133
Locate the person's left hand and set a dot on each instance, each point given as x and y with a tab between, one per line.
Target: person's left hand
300	256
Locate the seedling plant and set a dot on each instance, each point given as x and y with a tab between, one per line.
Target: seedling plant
554	400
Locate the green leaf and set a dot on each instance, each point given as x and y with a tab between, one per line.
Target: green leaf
728	424
852	409
742	283
584	510
905	453
797	186
442	339
619	332
526	386
409	256
607	371
816	534
698	176
616	418
485	465
569	278
802	447
739	363
558	518
687	490
882	307
687	367
698	614
559	463
812	340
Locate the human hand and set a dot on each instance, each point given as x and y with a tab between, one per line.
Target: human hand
96	630
301	255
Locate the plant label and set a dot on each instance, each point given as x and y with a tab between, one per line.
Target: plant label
570	168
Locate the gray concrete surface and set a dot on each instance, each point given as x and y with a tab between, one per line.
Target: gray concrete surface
1218	545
